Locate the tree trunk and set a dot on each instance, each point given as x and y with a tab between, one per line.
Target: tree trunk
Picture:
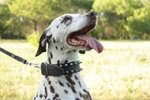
35	26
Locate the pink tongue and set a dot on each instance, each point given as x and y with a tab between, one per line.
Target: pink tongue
92	43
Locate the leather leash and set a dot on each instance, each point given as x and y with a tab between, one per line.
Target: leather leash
48	69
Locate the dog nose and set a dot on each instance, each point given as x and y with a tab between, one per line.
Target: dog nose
92	14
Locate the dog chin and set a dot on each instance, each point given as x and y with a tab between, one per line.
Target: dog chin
85	48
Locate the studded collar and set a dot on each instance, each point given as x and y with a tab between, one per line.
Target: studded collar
60	69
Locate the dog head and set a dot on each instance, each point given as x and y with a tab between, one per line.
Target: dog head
70	30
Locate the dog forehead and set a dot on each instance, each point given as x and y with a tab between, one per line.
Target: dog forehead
72	15
57	21
60	18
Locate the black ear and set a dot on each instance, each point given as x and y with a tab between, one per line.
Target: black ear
42	44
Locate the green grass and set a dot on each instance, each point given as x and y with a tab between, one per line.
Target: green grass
120	72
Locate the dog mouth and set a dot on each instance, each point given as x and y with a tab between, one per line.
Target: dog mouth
81	39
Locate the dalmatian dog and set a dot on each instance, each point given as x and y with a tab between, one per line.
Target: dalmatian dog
63	40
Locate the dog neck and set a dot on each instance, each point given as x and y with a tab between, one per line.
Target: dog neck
60	54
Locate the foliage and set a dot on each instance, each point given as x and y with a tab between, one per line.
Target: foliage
118	19
11	26
40	13
4	16
33	16
33	38
124	18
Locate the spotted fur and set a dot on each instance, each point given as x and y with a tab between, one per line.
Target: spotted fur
66	87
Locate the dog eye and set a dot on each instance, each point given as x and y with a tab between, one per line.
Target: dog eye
66	19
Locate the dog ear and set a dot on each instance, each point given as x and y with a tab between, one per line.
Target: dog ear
42	44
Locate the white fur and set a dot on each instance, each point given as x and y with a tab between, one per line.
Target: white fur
59	32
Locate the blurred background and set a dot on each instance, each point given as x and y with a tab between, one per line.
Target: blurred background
120	72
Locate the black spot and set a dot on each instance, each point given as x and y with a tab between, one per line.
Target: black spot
76	77
56	96
61	48
41	95
66	91
57	26
77	99
49	82
52	89
58	61
68	85
66	61
56	47
73	89
79	83
74	50
51	55
54	40
80	94
49	60
45	92
82	52
70	80
84	90
60	83
34	98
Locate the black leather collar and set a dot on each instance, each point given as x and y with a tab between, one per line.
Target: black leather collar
60	69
